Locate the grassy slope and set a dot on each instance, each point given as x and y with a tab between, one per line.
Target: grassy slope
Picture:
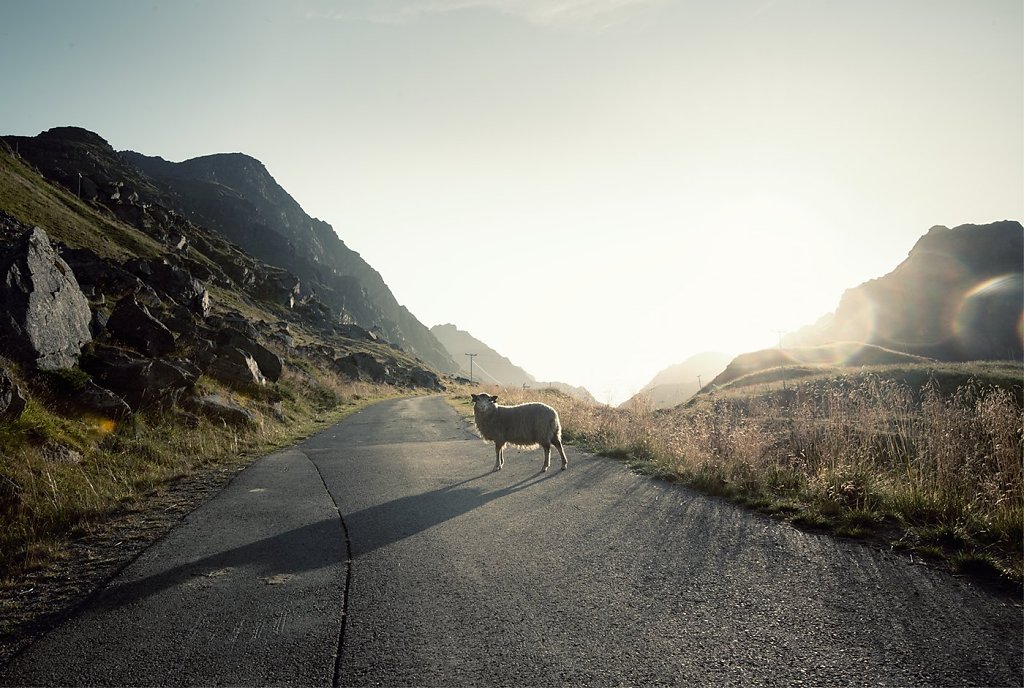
33	200
920	457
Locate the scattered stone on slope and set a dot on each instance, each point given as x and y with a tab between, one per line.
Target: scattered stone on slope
102	401
44	316
424	378
361	366
236	368
142	383
270	364
12	403
219	407
131	323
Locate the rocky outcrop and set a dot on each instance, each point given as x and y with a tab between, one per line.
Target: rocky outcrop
958	296
44	316
131	323
236	195
142	383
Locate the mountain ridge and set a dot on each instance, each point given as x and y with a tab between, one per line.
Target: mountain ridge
235	195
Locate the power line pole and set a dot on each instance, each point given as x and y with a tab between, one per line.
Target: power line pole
700	387
471	357
780	333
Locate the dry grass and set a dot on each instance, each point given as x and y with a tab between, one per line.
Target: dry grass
862	455
60	474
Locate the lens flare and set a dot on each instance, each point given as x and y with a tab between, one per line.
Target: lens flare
989	320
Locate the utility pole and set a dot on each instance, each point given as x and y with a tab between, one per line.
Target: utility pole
471	357
700	387
780	332
79	184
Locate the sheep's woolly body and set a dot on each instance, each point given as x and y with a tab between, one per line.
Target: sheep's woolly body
523	425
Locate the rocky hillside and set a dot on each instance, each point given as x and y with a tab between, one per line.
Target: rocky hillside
234	196
139	303
490	367
958	296
677	383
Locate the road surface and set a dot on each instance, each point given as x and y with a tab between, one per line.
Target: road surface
383	551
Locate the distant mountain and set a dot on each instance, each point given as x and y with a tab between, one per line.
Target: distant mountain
491	367
677	383
234	195
958	296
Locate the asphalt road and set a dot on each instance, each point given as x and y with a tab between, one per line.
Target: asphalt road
387	537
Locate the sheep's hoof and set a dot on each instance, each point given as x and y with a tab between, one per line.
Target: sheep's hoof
544	469
564	466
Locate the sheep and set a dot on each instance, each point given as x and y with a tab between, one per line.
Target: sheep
523	425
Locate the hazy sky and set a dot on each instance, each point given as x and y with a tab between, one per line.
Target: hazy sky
596	188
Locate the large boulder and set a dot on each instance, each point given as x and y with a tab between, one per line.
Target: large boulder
132	323
236	368
421	377
142	383
270	364
12	404
101	401
361	366
220	408
44	316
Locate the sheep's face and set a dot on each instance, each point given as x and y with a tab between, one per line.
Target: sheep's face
483	403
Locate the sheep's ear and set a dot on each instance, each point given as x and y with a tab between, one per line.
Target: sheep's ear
474	397
494	399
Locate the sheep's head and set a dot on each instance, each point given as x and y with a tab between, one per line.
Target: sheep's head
483	403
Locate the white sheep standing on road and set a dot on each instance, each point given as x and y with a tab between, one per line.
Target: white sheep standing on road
523	425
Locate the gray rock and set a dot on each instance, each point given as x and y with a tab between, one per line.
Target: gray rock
270	364
236	368
219	407
132	323
361	366
12	403
425	378
142	383
44	316
102	401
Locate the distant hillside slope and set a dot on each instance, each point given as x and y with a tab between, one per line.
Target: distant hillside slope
827	356
677	383
490	367
958	296
234	195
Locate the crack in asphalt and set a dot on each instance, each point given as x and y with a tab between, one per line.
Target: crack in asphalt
336	680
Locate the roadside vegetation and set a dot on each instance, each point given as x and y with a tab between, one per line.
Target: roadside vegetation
63	473
926	458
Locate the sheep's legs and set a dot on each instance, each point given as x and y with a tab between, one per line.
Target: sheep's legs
547	457
499	455
558	444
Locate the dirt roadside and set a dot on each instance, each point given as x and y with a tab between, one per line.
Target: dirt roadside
45	597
